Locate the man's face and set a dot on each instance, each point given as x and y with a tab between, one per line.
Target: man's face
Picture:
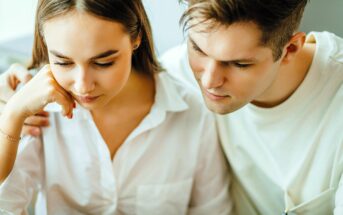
231	66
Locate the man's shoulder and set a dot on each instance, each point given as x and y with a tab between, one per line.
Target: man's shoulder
327	63
189	94
328	45
175	61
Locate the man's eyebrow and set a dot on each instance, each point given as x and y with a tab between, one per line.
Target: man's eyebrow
101	55
195	46
240	60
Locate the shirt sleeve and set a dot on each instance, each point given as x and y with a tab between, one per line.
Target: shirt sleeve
210	193
338	210
17	189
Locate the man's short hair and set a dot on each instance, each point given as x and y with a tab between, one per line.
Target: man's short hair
277	19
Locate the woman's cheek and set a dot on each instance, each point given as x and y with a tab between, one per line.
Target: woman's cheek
61	77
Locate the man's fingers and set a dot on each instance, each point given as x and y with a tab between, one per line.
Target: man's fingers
20	73
43	113
31	130
2	106
37	121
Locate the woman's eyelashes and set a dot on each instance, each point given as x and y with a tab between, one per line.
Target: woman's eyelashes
63	63
103	65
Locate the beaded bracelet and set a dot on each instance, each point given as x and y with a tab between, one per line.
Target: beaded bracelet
8	137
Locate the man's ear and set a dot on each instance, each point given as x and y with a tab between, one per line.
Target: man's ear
293	47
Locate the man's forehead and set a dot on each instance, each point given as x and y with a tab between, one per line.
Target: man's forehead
236	40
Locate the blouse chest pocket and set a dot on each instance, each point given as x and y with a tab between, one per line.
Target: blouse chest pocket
166	199
321	204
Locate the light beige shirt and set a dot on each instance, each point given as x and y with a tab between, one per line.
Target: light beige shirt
290	157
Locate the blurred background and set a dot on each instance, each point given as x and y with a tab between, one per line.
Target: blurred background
17	23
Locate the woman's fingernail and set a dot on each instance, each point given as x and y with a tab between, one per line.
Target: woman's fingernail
46	123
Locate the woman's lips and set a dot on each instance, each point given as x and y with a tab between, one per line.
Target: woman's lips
86	99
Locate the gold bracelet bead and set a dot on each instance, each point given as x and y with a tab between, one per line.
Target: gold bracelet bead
10	138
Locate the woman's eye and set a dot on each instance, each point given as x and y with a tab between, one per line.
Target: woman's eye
104	64
63	63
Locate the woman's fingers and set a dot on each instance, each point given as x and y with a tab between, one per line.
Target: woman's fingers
62	97
66	102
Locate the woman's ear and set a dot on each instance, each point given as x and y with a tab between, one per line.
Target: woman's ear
137	42
293	47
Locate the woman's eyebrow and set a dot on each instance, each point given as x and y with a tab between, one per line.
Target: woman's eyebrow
105	54
59	55
98	56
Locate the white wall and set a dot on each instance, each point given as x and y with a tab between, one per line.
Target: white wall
323	15
164	16
16	18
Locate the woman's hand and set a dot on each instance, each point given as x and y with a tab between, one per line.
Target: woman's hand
37	93
9	81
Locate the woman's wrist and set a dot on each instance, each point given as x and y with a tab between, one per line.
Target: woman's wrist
9	138
13	114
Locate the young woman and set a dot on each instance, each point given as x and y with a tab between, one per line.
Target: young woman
130	139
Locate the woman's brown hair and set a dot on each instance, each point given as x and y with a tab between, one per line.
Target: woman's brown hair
130	13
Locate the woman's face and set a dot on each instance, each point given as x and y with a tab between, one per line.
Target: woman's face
89	57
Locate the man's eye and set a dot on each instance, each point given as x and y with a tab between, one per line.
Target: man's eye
241	65
104	64
196	48
63	63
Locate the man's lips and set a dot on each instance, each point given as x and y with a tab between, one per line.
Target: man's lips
214	96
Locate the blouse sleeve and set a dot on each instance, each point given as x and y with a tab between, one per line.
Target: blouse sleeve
338	209
17	189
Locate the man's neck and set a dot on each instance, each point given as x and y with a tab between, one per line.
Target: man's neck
289	78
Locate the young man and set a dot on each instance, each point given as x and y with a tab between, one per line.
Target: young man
279	94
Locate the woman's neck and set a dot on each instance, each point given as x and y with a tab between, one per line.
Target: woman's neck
138	93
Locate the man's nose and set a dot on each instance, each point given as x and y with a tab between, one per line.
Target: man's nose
212	76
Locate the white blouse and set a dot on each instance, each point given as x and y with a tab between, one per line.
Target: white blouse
170	164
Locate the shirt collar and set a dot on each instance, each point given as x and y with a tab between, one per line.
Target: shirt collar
169	98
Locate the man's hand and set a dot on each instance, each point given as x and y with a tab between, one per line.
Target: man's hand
9	81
